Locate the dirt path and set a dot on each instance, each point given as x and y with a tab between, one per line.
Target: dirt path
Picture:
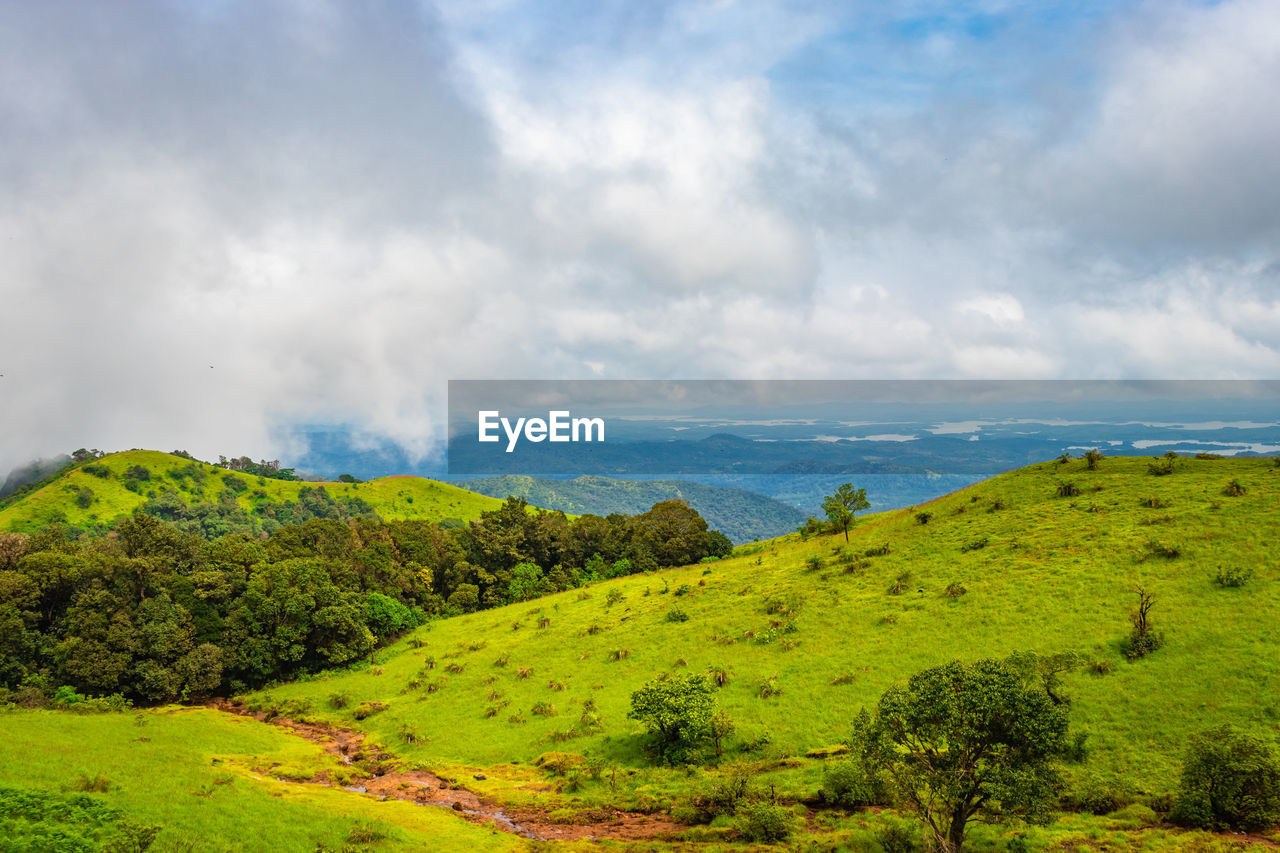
425	788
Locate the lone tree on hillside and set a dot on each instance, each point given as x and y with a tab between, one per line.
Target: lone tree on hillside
1230	780
841	506
962	741
680	713
1091	458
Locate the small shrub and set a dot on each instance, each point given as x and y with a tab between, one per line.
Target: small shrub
367	709
1232	577
1162	467
847	783
619	654
338	701
1163	550
555	685
614	596
923	517
524	672
768	688
901	585
955	590
843	678
719	677
1066	489
1155	503
502	660
896	838
96	784
720	797
594	629
543	709
975	544
1203	455
764	821
814	563
1101	666
878	551
997	504
365	833
1234	489
408	733
544	622
456	668
675	614
683	590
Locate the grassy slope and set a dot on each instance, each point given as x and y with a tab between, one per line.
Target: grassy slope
191	771
1057	574
391	497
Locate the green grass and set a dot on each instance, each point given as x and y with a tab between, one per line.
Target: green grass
1055	574
393	498
209	781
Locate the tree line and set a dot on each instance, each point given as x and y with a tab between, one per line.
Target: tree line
156	613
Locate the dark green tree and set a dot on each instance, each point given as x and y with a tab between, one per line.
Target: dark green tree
841	506
964	741
1230	780
679	713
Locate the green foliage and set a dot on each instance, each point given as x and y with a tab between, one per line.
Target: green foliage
367	709
675	614
678	712
764	821
67	823
1143	639
1232	577
961	740
841	506
1066	489
1230	780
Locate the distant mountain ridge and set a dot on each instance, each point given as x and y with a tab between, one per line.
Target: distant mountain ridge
737	513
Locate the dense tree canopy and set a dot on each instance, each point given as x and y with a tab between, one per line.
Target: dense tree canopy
159	611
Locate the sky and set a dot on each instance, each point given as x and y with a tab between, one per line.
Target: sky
224	220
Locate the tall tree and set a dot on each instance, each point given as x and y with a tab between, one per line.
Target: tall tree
961	741
841	506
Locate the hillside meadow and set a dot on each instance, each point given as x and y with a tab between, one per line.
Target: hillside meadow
527	704
808	632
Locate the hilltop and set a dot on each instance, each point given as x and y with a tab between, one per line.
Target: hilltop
95	493
739	514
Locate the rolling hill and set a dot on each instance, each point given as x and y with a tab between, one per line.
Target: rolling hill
97	492
527	705
808	632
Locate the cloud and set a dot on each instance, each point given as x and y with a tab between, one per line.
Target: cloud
227	220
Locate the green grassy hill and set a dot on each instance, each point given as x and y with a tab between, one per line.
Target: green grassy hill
1042	573
1043	559
84	499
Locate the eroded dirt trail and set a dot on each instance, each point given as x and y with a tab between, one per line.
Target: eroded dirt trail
425	788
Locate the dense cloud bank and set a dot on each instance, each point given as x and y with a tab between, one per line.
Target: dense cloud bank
224	220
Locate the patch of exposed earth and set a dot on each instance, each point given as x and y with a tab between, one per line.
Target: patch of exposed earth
426	788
